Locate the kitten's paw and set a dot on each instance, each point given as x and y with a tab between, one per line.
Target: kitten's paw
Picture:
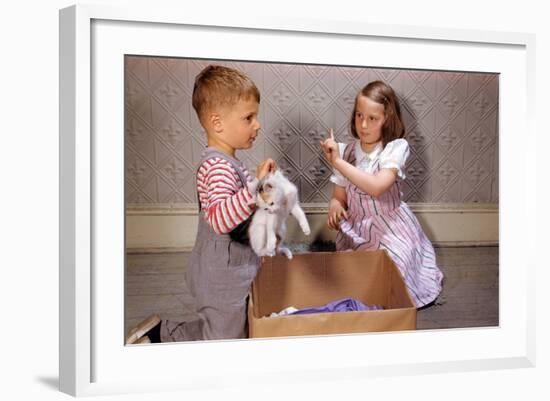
287	252
306	230
262	252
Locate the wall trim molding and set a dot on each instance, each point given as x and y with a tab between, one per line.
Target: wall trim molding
184	209
172	228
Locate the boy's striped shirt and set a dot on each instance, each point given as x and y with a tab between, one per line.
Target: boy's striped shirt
224	200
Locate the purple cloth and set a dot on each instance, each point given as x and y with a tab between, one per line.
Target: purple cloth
342	305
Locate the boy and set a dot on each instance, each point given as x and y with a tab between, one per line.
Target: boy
223	265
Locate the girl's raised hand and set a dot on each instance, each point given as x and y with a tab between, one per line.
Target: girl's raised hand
330	148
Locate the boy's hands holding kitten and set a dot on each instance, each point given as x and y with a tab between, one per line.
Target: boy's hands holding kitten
265	167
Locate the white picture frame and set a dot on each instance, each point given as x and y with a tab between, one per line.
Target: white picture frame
93	359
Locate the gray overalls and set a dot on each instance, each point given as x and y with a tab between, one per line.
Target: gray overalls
219	277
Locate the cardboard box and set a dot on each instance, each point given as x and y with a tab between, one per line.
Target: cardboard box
317	278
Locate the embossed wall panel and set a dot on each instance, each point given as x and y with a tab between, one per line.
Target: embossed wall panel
451	121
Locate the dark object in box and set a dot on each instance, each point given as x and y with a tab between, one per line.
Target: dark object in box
317	278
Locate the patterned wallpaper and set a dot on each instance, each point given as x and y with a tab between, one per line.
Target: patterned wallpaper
451	120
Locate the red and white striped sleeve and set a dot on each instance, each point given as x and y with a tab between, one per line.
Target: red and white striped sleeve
225	201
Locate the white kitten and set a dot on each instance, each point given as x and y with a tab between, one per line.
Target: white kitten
276	198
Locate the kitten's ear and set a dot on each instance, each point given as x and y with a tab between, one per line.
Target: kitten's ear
267	187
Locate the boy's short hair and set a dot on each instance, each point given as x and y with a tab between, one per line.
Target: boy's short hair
217	86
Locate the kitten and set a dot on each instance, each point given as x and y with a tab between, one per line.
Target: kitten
276	199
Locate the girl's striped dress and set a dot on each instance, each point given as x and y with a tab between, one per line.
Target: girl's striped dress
388	223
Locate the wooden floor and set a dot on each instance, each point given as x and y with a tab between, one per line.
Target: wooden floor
155	284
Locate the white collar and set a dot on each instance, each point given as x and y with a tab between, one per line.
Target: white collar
360	154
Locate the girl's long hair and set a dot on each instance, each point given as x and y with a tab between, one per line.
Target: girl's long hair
380	92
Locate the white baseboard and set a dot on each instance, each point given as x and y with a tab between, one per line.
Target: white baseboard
166	229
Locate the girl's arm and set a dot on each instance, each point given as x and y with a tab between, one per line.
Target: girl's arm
337	207
373	184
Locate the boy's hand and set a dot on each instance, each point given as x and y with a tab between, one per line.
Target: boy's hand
330	148
335	213
265	167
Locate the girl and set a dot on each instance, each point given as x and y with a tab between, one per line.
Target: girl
366	206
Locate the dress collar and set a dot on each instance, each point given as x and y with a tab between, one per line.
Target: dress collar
360	154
